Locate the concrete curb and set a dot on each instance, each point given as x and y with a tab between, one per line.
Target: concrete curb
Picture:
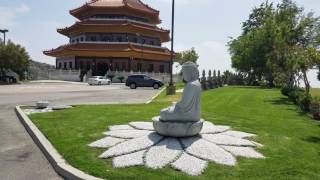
55	159
155	96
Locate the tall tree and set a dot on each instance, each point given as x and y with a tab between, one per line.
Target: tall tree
14	57
187	55
278	44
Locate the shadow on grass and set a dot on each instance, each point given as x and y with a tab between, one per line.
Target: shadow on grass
253	87
286	102
313	139
280	101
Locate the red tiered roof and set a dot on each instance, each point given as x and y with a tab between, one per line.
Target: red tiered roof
105	26
135	5
110	50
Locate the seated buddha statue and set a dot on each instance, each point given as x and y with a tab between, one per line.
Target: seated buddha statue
188	109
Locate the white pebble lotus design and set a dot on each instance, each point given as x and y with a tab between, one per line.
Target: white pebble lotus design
138	144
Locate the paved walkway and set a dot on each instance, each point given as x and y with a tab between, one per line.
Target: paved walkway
20	158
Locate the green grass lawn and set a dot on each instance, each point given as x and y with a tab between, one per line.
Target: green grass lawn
315	92
291	139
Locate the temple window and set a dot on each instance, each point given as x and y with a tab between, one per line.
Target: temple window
135	40
151	68
88	65
81	65
119	38
70	65
60	65
139	67
124	66
117	66
65	65
162	68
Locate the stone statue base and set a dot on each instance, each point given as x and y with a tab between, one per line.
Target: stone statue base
177	129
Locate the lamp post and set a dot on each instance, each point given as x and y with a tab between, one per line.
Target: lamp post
171	90
4	31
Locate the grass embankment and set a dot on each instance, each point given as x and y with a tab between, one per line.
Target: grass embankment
291	140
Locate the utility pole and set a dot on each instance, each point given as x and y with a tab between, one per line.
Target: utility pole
171	89
4	31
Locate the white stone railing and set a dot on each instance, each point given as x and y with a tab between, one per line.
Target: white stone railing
74	75
64	75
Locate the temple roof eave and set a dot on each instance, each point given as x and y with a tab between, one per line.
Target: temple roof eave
130	50
164	34
137	6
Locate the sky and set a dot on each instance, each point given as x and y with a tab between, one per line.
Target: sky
206	25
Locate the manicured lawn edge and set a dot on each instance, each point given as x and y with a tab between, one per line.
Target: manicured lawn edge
155	96
55	159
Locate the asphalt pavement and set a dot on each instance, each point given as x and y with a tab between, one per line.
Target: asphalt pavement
20	158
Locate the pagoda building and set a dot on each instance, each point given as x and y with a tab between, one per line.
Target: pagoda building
114	35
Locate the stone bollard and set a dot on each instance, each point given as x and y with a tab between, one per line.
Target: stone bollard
42	104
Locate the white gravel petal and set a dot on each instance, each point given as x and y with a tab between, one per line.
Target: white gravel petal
227	140
37	111
190	165
142	125
247	152
128	134
163	153
129	160
106	142
209	128
132	145
206	150
120	127
238	134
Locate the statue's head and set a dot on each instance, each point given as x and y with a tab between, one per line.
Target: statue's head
190	72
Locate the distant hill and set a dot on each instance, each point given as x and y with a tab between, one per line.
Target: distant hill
39	71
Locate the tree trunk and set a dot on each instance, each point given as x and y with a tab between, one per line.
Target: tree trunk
306	82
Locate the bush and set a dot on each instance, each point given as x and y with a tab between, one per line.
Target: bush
315	108
304	102
296	94
111	76
121	78
286	90
264	84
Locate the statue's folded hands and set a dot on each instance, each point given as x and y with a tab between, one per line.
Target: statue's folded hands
188	109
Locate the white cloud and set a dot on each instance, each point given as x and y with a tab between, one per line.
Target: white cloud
23	8
8	15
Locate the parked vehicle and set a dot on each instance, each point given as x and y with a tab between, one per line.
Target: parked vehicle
99	80
135	81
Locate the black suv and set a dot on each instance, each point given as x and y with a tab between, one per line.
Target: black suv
135	81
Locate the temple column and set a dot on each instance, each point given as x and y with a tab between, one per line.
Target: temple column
129	64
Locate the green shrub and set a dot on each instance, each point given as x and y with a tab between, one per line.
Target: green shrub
286	90
315	107
296	94
304	102
121	78
263	84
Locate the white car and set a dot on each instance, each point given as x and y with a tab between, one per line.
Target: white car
99	80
